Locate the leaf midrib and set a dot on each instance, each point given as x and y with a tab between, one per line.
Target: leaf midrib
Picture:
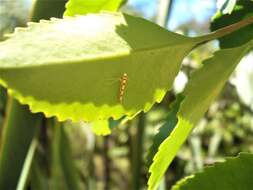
105	57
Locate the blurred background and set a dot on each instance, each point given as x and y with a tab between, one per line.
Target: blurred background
117	161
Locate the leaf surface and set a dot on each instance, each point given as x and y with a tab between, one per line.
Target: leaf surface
203	87
164	130
101	127
71	68
80	7
233	174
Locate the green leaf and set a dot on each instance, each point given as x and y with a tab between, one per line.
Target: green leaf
242	10
233	174
202	89
166	152
226	6
72	67
28	163
165	129
80	7
101	127
45	9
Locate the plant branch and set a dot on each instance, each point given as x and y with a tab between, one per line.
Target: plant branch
138	153
224	31
164	7
28	162
107	163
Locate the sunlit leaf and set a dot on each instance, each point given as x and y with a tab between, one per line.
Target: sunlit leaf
80	7
101	127
164	130
203	87
243	80
72	67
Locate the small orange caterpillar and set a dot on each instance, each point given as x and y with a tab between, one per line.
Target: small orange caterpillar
122	87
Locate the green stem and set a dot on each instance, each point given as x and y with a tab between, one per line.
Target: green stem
27	165
64	173
195	145
18	132
163	13
3	100
107	163
138	153
224	31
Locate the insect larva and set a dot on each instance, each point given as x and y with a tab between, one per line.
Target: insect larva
122	87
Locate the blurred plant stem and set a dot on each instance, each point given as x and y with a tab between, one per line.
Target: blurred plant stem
63	169
214	145
195	144
163	13
137	154
107	161
3	100
45	9
18	132
28	162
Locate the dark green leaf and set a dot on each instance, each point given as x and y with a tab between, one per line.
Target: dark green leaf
242	10
233	174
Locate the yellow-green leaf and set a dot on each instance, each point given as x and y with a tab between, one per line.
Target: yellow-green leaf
101	127
202	89
71	68
80	7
